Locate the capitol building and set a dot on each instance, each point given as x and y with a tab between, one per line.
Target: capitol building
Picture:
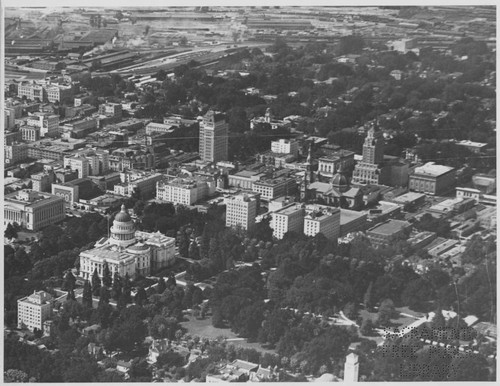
128	251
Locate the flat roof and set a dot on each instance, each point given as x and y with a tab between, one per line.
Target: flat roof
389	227
433	170
289	209
471	143
347	216
408	197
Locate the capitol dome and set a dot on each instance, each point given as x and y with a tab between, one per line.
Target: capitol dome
123	215
123	229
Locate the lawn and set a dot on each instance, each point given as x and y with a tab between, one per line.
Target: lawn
204	329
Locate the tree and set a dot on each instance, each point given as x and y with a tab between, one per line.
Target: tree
87	294
351	44
468	367
183	242
10	231
170	358
69	281
385	312
368	298
126	291
116	288
106	275
104	296
96	283
141	296
17	376
438	321
94	231
161	285
194	251
171	283
367	327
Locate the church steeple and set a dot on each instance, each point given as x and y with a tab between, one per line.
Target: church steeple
308	176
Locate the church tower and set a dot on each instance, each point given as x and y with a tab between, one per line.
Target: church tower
308	177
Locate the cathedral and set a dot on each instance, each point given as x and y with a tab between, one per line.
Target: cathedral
336	192
128	251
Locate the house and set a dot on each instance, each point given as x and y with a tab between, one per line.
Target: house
263	375
94	329
94	349
158	347
124	367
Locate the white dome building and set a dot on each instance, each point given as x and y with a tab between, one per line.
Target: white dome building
123	229
123	252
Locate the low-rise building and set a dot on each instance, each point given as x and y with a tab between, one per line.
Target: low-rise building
185	191
34	310
432	179
351	221
244	179
387	232
475	147
33	210
42	181
337	160
276	187
144	184
30	133
285	146
159	128
323	220
70	193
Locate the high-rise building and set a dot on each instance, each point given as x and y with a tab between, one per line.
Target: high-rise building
288	219
241	210
34	310
213	137
48	123
78	163
369	170
16	152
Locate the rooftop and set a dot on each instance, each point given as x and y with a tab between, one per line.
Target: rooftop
409	197
433	170
472	144
287	210
30	197
389	227
347	216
